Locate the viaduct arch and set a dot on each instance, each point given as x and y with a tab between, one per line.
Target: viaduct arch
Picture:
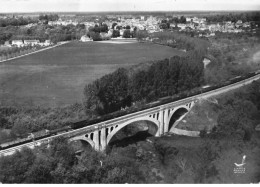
154	121
177	115
162	119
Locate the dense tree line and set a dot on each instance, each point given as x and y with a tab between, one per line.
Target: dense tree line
239	114
17	51
180	41
235	136
108	93
17	122
43	32
231	55
20	21
94	32
234	17
162	78
51	17
98	28
59	164
131	34
16	21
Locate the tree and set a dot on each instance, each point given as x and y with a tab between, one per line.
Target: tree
95	36
13	168
104	28
118	27
121	169
61	152
40	172
107	94
116	33
140	35
163	26
236	119
20	129
97	29
113	25
182	19
127	33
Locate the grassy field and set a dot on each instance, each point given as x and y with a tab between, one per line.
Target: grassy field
57	77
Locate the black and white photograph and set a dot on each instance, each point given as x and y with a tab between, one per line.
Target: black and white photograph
130	92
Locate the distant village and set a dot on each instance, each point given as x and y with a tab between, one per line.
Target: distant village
149	23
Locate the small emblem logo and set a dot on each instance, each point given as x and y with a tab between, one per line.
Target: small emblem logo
240	167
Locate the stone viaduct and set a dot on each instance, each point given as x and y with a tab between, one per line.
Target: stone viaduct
162	119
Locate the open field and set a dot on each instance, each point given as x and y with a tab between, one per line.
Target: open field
57	76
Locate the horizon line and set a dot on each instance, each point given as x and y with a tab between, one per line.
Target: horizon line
29	12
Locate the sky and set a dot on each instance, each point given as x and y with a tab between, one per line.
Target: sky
125	5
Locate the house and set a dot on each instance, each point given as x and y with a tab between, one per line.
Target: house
121	32
173	25
47	42
18	43
85	39
105	36
182	26
239	22
110	32
31	42
188	19
206	62
7	44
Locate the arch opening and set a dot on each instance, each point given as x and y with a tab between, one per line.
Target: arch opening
80	146
176	116
132	133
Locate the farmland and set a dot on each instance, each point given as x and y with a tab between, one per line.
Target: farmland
57	77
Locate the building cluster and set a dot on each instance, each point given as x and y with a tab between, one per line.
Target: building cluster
150	23
22	43
63	22
200	24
